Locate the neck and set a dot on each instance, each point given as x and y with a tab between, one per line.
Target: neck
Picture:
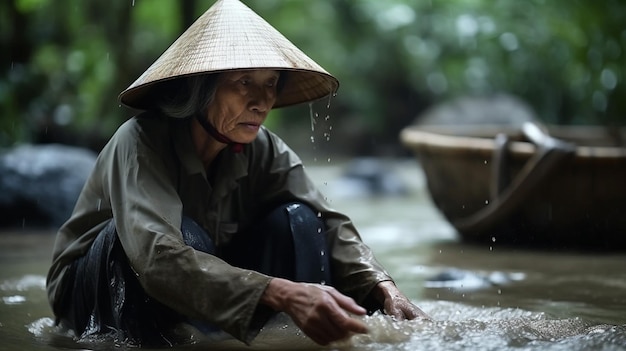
210	129
206	146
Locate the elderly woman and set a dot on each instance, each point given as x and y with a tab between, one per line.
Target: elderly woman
195	213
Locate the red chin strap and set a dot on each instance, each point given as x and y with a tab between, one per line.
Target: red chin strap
208	127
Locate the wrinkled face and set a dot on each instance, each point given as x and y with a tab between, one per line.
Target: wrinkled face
241	103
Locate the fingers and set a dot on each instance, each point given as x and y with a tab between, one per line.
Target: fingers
339	308
416	312
335	326
401	309
344	321
328	318
326	333
346	303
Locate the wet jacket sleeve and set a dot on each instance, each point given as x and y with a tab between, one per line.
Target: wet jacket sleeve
147	212
355	269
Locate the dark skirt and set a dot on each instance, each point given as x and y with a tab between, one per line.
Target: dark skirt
103	294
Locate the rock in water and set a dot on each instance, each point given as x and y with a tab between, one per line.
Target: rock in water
39	184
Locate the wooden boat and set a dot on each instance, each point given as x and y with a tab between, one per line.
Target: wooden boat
560	187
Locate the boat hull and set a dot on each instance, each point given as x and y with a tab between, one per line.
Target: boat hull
578	200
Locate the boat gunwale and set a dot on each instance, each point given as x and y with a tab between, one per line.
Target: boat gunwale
447	139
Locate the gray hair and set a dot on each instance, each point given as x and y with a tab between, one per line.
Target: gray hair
187	96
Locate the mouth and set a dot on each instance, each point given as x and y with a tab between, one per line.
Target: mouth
251	125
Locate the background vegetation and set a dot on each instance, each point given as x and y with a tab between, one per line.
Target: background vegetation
65	62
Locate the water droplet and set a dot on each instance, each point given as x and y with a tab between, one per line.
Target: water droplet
319	215
486	202
312	117
99	204
322	253
328	160
319	230
485	161
312	139
493	238
499	291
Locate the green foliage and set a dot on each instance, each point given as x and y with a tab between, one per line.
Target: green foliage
68	62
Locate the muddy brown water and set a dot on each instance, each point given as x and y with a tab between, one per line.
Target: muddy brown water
480	297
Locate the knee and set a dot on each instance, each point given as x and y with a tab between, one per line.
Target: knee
195	236
303	212
299	214
293	217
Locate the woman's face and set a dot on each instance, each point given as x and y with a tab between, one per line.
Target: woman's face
241	103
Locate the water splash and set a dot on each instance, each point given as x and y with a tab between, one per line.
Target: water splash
25	283
13	300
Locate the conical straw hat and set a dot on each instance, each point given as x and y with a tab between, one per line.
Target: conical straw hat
230	36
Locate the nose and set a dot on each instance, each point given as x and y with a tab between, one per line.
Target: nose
260	101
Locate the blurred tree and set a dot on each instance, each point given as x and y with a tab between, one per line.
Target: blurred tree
67	63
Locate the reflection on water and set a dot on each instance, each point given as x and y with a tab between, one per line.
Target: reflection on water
487	298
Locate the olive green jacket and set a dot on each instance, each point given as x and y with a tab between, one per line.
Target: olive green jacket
148	176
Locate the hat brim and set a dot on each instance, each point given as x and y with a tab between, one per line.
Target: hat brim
299	87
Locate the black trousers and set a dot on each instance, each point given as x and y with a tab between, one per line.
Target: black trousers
103	295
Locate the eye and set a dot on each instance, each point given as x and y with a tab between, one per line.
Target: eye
244	81
272	82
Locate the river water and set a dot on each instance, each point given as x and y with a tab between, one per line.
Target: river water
480	297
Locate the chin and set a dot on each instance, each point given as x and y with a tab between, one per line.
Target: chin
246	138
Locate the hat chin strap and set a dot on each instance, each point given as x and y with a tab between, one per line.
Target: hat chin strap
208	127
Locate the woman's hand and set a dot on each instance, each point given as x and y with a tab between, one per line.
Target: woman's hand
395	303
320	311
